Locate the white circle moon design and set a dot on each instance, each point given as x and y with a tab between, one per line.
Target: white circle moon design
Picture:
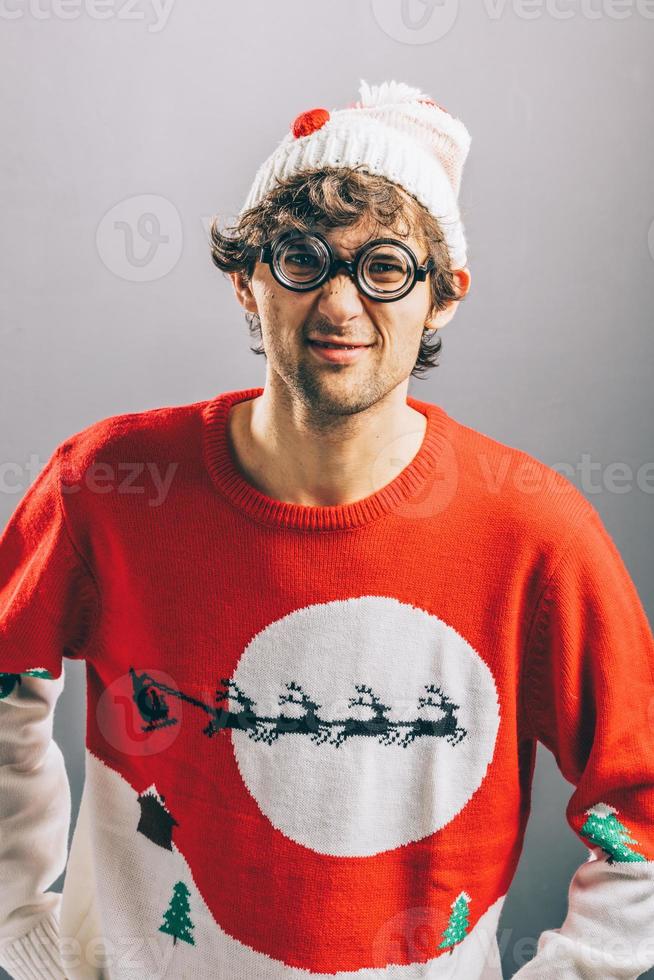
333	784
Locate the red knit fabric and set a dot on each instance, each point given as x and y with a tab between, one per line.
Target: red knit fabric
476	597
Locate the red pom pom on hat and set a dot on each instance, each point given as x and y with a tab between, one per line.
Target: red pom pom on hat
308	122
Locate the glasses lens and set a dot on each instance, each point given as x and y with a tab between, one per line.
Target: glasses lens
387	270
300	260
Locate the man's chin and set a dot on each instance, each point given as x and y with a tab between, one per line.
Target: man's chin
337	396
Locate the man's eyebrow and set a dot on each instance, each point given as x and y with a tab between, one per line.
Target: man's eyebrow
353	249
325	232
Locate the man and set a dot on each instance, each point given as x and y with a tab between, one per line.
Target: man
319	668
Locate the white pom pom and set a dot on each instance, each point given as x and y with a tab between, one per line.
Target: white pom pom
388	93
602	810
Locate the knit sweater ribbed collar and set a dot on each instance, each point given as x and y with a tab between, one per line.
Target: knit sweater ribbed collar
227	477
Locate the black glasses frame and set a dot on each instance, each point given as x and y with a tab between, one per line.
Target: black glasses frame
270	250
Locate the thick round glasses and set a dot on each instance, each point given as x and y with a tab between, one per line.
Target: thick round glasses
384	269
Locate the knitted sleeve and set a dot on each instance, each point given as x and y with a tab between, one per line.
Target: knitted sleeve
589	692
48	604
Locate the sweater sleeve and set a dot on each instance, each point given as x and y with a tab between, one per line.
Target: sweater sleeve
589	692
48	603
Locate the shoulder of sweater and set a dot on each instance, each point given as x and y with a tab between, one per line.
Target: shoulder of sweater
509	485
156	431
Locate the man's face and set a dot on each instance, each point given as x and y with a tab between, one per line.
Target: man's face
339	311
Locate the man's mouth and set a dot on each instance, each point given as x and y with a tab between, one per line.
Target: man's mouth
337	346
334	352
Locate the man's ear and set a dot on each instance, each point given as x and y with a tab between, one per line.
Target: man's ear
243	291
462	279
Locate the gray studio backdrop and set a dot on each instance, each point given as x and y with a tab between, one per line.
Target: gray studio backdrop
126	125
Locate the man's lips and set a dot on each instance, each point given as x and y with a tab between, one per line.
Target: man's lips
338	354
339	342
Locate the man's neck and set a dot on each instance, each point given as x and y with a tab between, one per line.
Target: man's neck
289	459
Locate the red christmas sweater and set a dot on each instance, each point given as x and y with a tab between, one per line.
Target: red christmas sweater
311	731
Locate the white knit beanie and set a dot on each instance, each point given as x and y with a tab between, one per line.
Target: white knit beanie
393	130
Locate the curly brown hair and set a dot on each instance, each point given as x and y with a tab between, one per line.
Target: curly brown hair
337	197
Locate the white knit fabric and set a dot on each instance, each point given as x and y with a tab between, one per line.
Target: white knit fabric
393	130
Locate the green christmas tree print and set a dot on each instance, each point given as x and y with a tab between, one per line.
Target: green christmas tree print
8	681
603	829
177	919
457	927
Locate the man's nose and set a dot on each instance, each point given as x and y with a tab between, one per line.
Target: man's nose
340	297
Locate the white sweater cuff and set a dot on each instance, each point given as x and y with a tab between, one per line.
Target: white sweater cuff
35	956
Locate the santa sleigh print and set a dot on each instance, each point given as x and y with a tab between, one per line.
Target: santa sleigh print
300	714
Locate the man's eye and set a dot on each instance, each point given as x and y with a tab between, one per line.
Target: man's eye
386	271
385	267
302	259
